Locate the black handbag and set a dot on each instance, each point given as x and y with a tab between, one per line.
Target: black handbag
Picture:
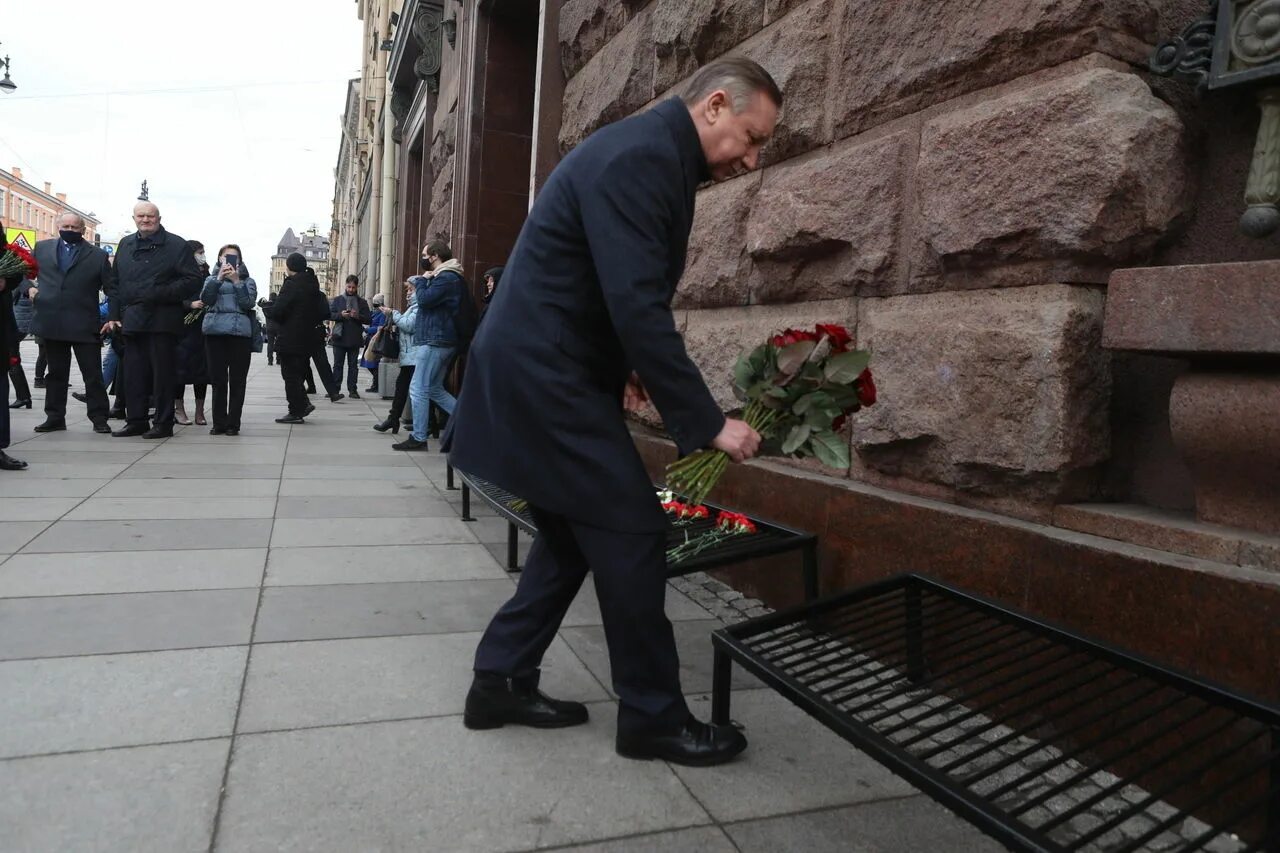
388	345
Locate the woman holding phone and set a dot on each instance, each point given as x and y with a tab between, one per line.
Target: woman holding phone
229	295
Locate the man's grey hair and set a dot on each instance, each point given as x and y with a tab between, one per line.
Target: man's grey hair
77	217
740	77
150	204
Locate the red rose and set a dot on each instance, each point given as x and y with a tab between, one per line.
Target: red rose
866	387
838	423
838	335
33	269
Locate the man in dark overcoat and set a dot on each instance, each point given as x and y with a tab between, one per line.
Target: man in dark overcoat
154	278
65	302
581	325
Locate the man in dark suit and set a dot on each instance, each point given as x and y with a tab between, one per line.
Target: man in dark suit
581	326
350	314
153	280
72	272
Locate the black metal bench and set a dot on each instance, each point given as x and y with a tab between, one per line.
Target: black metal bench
1044	739
771	538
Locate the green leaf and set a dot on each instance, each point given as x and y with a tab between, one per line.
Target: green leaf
792	358
812	400
847	366
799	435
830	449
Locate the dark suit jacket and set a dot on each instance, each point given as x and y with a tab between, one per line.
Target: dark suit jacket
585	299
152	283
349	332
297	309
66	308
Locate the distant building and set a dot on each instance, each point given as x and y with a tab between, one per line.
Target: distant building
31	214
312	245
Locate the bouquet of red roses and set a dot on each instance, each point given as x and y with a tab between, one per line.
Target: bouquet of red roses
18	261
799	387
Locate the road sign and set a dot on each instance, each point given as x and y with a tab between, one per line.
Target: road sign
24	237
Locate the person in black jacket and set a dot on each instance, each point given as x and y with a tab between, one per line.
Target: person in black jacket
581	328
155	279
9	339
350	314
297	309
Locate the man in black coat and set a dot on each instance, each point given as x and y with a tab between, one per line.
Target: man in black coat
581	325
154	278
296	311
72	272
350	314
9	356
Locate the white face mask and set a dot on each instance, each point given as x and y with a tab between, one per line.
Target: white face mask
200	258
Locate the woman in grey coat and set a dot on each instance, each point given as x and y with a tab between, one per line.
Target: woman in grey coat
228	296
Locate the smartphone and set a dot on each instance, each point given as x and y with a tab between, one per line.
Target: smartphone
233	260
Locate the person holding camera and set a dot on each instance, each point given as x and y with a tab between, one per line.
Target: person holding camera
409	349
228	297
350	314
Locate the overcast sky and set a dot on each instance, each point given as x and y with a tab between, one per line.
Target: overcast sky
230	110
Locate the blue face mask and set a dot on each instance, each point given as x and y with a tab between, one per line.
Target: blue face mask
71	237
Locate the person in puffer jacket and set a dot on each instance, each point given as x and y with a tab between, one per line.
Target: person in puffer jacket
228	296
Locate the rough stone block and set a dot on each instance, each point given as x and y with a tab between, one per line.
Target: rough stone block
986	390
1061	181
716	269
615	83
587	25
898	58
689	33
827	225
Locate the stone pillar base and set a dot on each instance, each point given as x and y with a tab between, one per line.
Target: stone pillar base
1226	425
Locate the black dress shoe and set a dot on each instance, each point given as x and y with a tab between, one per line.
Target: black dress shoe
130	431
389	424
8	463
102	427
21	404
311	391
493	702
39	382
51	426
310	408
290	419
410	443
334	397
233	430
159	432
117	415
353	395
695	744
83	398
217	431
372	389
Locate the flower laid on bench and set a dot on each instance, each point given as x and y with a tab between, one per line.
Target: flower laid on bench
685	514
728	525
799	387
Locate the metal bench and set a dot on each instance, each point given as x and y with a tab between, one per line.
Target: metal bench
770	538
1043	739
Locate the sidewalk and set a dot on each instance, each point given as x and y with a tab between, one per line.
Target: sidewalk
264	642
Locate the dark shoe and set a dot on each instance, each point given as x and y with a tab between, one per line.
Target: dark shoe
290	419
233	431
310	408
410	443
353	395
493	702
333	398
311	391
39	382
51	426
217	431
695	744
372	389
159	432
8	463
83	398
129	431
102	427
21	404
389	424
116	415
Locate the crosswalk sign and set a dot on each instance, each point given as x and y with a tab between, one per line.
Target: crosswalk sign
23	237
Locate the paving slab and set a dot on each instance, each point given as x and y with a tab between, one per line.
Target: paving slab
361	488
321	532
377	610
337	473
38	509
30	575
40	456
98	624
585	609
16	534
66	471
188	488
147	799
202	470
408	505
19	486
793	764
327	682
428	785
710	839
390	564
358	456
105	508
150	535
914	823
118	700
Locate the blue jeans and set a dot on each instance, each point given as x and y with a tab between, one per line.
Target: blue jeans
109	361
428	385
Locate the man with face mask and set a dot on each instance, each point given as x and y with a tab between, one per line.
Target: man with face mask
65	303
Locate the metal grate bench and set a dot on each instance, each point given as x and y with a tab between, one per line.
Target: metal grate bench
769	539
1042	738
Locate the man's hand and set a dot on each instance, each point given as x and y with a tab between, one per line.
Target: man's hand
109	326
737	439
634	397
33	292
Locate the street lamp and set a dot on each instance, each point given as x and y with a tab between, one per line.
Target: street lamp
6	84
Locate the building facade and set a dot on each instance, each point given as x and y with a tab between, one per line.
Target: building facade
956	183
314	246
27	209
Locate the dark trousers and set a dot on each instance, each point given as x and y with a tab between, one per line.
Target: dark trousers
630	578
351	355
89	360
4	410
293	367
150	361
18	379
271	349
41	361
228	357
320	359
403	378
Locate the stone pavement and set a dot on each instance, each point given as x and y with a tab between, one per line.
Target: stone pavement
264	642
